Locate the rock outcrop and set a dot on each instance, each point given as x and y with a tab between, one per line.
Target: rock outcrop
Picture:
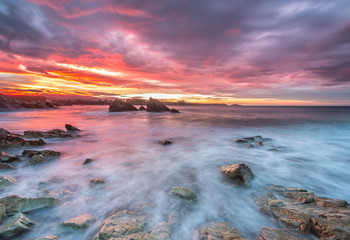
5	157
15	203
54	133
274	234
10	103
37	157
217	231
119	105
298	210
155	105
80	222
71	128
8	140
142	108
240	174
6	181
15	225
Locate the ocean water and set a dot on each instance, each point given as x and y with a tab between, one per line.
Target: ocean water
313	153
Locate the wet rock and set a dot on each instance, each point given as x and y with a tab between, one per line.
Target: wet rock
161	231
15	225
330	203
165	142
6	166
96	181
37	158
119	105
80	222
6	181
47	193
48	237
142	108
173	110
274	234
251	141
15	203
2	212
87	161
8	140
181	193
5	157
71	128
54	133
240	174
40	156
217	231
304	197
155	105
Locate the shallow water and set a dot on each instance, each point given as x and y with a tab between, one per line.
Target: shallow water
314	154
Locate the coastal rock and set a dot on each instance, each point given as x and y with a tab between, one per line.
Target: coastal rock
251	142
87	161
165	142
2	212
155	105
14	103
305	212
96	181
36	159
142	108
6	181
181	193
15	225
80	222
240	174
217	231
15	203
71	128
6	166
274	234
48	237
54	133
161	231
5	157
8	140
119	105
173	110
44	153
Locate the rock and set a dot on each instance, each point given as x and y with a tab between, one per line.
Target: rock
304	197
251	141
40	156
217	231
15	203
37	158
71	128
6	166
80	222
155	105
166	142
330	203
6	181
48	237
96	181
142	108
8	140
161	231
54	133
5	157
15	225
240	174
173	110
181	193
87	161
273	234
119	105
9	103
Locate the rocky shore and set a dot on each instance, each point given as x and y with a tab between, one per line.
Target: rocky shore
9	103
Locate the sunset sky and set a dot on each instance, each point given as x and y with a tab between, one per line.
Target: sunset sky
247	52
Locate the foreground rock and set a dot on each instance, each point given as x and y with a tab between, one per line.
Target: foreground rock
15	225
37	157
71	128
6	166
80	222
119	105
6	181
12	103
8	140
142	108
132	224
240	174
217	231
5	157
304	212
15	203
54	133
155	105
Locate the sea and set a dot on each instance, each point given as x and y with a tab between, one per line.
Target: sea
308	147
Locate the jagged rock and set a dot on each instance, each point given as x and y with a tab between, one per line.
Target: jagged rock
6	181
6	166
173	110
71	128
240	174
165	142
142	108
96	181
5	157
80	222
155	105
54	133
119	105
8	140
217	231
15	203
15	225
87	161
48	237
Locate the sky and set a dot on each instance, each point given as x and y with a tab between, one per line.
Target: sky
252	52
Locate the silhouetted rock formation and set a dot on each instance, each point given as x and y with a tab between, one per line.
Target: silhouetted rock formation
155	105
11	103
119	105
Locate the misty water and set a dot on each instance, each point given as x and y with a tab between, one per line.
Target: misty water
313	153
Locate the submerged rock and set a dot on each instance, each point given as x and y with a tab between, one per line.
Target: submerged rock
155	105
15	203
8	140
15	225
6	181
119	105
87	161
71	128
240	174
166	142
54	133
181	193
173	110
6	166
251	142
96	181
217	231
80	222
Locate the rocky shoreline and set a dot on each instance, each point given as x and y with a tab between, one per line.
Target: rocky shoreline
298	213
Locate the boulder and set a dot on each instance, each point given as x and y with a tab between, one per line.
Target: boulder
142	108
15	225
217	231
173	110
54	133
36	159
181	193
119	105
48	237
5	157
240	174
8	140
6	166
80	222
6	181
15	203
71	128
155	105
